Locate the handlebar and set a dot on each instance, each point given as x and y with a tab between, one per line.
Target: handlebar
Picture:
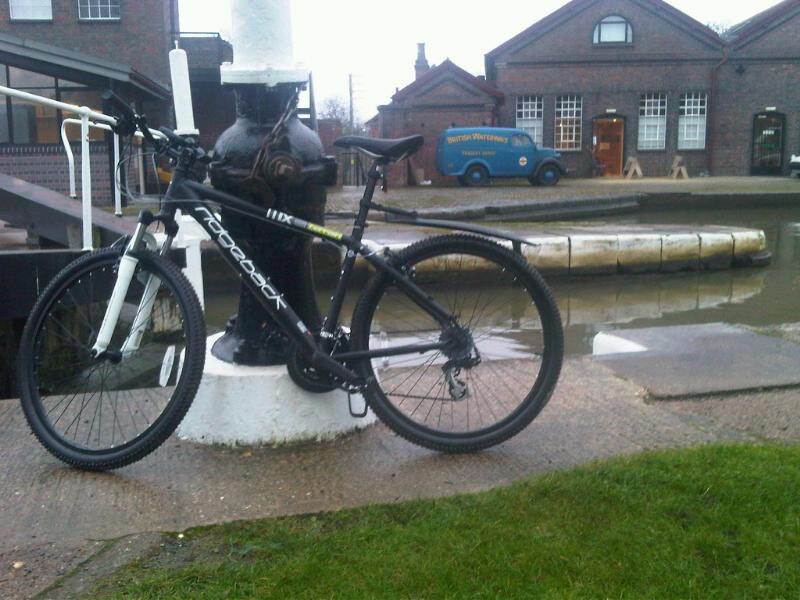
128	122
123	107
176	139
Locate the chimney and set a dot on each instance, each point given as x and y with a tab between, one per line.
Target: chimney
421	66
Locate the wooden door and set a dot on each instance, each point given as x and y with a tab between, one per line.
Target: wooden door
608	136
768	131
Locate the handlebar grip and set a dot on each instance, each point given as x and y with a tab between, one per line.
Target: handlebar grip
173	137
123	107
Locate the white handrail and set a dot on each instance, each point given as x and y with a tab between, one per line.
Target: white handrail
101	121
71	159
79	110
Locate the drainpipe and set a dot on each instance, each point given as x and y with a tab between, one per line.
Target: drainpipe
712	108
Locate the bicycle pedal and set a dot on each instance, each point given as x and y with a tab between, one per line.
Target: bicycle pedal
356	415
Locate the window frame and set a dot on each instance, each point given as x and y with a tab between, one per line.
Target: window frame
14	19
531	105
699	108
100	4
570	103
57	90
597	32
649	103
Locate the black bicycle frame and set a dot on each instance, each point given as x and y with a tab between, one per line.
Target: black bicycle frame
188	195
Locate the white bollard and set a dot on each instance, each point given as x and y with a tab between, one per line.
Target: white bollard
261	32
182	93
238	405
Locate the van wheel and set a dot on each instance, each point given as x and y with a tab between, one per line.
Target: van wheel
476	175
549	175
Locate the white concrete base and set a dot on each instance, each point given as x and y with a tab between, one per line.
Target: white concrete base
239	405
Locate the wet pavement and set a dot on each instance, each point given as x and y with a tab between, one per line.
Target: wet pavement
696	360
53	516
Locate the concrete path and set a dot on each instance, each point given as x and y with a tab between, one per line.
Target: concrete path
51	516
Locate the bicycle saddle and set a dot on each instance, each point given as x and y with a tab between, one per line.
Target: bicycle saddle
389	149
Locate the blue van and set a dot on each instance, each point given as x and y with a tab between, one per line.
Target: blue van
477	154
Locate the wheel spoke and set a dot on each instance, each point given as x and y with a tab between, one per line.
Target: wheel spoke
90	407
496	300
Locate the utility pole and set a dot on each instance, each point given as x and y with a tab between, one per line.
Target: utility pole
352	120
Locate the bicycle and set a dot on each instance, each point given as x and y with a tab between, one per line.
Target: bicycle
456	342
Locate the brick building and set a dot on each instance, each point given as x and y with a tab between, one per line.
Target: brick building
440	97
606	80
72	50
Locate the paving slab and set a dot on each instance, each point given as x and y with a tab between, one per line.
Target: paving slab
593	414
691	360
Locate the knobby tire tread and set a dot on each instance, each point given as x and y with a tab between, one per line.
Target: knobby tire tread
191	373
372	294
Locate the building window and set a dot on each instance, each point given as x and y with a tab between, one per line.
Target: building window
692	122
23	122
98	10
530	116
613	30
652	121
569	113
31	10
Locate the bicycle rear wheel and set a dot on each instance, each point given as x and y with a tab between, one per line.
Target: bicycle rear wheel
511	345
103	413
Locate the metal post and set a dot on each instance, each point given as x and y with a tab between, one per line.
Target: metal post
86	180
117	191
70	158
140	167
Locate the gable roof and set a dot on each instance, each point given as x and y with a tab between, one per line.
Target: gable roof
572	8
758	24
447	67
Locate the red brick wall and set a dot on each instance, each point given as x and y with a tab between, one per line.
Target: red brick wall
610	87
214	111
447	102
664	58
765	72
141	38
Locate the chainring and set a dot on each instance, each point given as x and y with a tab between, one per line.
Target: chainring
310	378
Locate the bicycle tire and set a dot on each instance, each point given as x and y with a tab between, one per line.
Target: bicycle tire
514	270
52	331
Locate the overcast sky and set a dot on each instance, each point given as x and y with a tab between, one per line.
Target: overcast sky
376	40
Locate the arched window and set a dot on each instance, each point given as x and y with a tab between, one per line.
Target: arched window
613	30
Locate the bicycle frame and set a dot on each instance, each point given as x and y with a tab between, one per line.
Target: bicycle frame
189	196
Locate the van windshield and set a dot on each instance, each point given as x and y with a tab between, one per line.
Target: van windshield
521	140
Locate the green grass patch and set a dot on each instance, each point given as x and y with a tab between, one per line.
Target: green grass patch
711	522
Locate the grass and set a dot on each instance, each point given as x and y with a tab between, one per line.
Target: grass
711	522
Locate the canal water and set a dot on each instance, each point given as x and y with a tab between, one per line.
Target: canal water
762	296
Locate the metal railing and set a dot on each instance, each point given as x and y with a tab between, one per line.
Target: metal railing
117	182
88	119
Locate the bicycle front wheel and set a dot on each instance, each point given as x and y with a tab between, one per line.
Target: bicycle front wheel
503	354
103	413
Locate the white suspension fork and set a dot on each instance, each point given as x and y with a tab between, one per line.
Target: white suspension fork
142	319
144	311
127	266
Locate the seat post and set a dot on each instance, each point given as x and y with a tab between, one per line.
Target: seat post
373	176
